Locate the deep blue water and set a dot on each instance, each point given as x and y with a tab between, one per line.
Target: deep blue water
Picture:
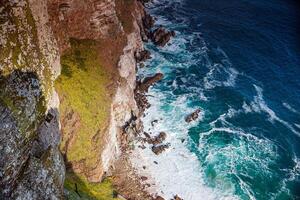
239	61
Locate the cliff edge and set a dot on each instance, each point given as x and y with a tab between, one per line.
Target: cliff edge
67	78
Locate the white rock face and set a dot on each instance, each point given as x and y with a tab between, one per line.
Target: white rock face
124	104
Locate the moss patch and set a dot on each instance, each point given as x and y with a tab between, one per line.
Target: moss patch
83	88
86	190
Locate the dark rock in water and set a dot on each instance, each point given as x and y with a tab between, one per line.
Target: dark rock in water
147	135
159	198
159	149
159	139
148	81
144	178
142	56
153	122
142	88
161	36
155	162
148	21
176	197
193	116
141	101
182	140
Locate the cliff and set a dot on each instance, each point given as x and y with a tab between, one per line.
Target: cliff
31	165
68	75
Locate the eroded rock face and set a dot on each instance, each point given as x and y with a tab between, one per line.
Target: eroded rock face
30	160
89	19
30	163
43	177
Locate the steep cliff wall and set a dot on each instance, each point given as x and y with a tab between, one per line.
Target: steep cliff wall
98	41
95	41
30	164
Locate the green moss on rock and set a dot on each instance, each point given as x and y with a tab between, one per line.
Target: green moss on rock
83	89
79	188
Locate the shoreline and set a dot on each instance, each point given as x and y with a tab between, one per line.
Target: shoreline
126	178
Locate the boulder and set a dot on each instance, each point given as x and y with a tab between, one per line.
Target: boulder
142	56
159	149
176	197
161	36
148	21
158	139
148	81
159	198
193	116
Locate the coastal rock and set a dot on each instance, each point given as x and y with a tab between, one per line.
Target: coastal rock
142	56
158	139
148	21
142	88
31	166
83	20
193	116
159	149
43	177
161	36
149	81
159	198
176	197
141	101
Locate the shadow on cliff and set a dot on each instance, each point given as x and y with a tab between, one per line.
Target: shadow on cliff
78	187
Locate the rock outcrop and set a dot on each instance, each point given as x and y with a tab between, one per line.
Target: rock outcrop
117	39
193	116
31	166
161	36
98	43
89	19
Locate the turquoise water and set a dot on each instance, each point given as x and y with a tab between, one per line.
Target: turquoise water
239	62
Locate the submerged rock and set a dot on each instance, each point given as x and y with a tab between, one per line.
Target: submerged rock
193	116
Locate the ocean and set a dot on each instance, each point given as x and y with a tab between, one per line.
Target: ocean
239	62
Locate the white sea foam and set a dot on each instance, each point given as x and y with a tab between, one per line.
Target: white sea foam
290	108
259	105
218	71
178	170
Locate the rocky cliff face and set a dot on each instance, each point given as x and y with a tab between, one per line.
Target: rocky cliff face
89	19
96	42
112	26
31	165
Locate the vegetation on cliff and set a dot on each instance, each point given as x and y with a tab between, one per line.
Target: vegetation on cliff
83	90
79	188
